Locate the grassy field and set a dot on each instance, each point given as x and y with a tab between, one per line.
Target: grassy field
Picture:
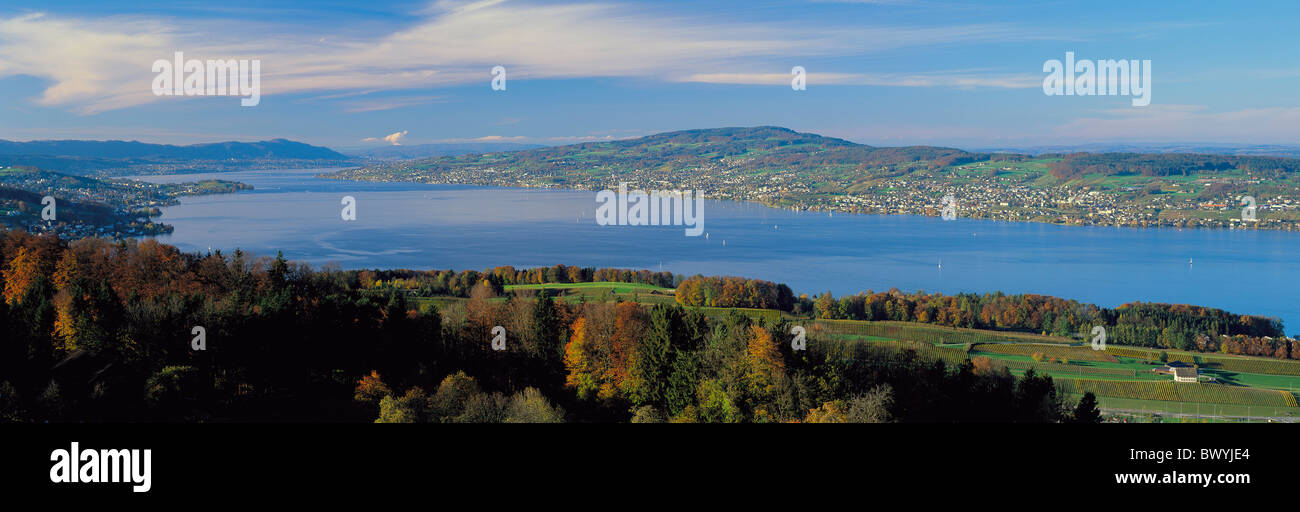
930	333
1071	353
1121	377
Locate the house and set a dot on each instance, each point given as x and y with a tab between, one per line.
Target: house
1181	371
1185	374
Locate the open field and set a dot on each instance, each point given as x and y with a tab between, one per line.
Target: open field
1120	377
930	333
1072	353
1193	409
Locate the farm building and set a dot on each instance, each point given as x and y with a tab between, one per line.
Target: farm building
1185	374
1181	371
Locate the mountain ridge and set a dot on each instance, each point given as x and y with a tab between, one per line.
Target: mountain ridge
83	148
117	157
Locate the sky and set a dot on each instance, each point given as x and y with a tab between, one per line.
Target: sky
348	74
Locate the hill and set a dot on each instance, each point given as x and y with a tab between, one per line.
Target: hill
88	206
681	154
126	157
784	168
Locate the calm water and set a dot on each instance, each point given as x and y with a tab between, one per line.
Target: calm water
403	225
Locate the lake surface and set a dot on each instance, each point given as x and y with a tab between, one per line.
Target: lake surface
418	226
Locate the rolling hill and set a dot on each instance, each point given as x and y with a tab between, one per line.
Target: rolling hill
126	157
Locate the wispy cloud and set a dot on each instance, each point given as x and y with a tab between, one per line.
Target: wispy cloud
949	79
390	103
1170	123
103	64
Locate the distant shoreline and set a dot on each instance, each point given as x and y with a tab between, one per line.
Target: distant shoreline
1260	226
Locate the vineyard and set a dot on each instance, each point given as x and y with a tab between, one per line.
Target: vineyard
1179	392
1236	364
1048	351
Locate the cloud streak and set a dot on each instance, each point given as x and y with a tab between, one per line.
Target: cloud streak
103	64
1178	123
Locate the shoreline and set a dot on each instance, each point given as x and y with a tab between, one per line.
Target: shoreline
1258	226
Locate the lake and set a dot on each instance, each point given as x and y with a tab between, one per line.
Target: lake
419	226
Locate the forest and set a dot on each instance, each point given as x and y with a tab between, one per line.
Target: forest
459	283
1177	326
1075	165
96	330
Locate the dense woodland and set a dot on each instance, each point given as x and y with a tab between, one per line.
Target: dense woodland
1177	326
103	331
734	292
459	284
1075	165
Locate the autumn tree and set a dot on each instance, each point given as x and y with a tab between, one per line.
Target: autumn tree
371	389
411	407
529	406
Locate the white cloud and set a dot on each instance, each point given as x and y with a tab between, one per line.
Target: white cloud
83	60
394	139
103	64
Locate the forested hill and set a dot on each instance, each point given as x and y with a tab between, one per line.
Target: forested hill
749	150
277	148
115	156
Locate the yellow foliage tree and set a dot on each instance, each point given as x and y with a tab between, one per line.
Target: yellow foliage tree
766	365
829	412
20	274
578	360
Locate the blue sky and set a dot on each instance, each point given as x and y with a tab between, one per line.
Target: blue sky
883	72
